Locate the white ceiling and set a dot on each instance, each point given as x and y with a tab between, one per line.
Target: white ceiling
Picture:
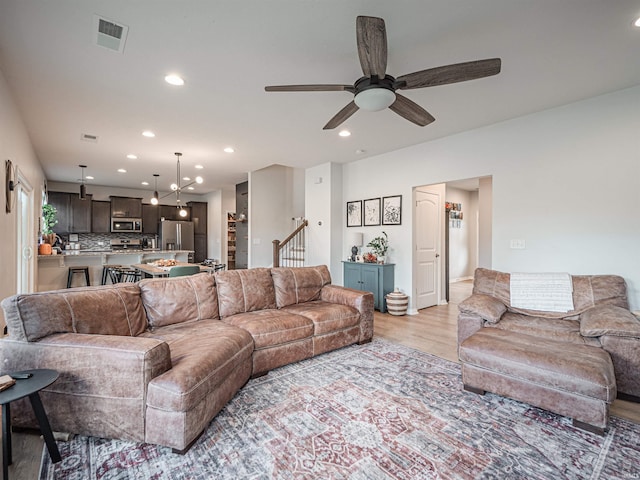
553	52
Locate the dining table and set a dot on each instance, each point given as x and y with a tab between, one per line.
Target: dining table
152	270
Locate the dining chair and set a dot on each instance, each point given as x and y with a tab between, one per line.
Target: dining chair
182	270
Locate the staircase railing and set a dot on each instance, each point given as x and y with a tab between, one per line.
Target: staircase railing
290	251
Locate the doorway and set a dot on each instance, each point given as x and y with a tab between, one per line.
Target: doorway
451	242
25	240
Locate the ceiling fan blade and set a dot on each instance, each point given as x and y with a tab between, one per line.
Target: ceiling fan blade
310	88
341	116
458	72
371	36
411	111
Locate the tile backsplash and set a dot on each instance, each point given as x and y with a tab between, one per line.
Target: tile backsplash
92	241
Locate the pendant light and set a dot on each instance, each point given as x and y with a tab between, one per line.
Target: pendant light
154	199
83	187
175	187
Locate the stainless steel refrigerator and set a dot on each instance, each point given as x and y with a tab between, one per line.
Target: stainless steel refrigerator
176	235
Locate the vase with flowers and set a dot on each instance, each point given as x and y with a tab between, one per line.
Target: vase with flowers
380	245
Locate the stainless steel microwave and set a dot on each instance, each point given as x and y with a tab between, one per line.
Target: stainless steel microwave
120	225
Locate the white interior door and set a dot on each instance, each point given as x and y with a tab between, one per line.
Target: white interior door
427	240
26	239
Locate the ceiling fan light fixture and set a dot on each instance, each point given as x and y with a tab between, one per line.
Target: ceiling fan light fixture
375	99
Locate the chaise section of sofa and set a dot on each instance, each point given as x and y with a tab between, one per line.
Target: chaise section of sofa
89	335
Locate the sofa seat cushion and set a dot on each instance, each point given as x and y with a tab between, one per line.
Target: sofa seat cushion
241	291
180	299
272	327
579	369
326	317
203	355
558	329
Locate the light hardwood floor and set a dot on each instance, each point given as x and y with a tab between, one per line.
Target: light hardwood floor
432	330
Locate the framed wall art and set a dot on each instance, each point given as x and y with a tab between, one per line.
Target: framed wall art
392	210
354	213
371	211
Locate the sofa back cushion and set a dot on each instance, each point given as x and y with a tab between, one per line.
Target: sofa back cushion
588	291
104	310
299	285
241	291
179	299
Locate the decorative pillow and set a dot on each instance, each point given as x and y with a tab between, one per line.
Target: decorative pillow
299	285
241	291
609	320
485	306
179	299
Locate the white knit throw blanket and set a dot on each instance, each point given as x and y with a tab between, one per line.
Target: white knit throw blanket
549	292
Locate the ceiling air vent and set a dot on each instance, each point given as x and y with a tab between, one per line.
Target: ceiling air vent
109	34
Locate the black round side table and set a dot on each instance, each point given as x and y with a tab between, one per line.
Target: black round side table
30	387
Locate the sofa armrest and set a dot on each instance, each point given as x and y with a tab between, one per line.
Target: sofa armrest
361	301
609	320
484	306
101	365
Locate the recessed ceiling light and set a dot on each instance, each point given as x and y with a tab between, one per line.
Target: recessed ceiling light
122	170
637	22
174	80
145	183
186	179
131	156
199	167
360	151
229	149
89	177
344	133
148	134
190	188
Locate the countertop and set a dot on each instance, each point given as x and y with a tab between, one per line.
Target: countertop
96	252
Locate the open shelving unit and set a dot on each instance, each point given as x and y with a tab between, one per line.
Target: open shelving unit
231	240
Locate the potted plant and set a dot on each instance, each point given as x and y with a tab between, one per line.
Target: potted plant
380	245
49	220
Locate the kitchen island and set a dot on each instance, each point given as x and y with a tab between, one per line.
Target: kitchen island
53	269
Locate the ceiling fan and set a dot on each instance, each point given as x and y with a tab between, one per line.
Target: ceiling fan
376	90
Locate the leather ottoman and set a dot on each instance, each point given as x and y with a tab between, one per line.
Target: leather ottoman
573	380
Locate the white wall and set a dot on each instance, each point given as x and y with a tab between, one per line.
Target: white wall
272	207
15	145
323	208
462	261
565	180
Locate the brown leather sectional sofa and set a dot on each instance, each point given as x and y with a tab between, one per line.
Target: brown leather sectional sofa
155	361
570	363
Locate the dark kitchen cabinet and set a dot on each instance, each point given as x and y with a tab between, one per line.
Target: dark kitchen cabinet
200	248
199	217
60	201
73	214
150	216
170	212
100	216
126	207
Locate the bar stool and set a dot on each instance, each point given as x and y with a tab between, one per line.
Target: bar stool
74	270
105	272
123	274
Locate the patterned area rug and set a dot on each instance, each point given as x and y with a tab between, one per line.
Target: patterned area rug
377	411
